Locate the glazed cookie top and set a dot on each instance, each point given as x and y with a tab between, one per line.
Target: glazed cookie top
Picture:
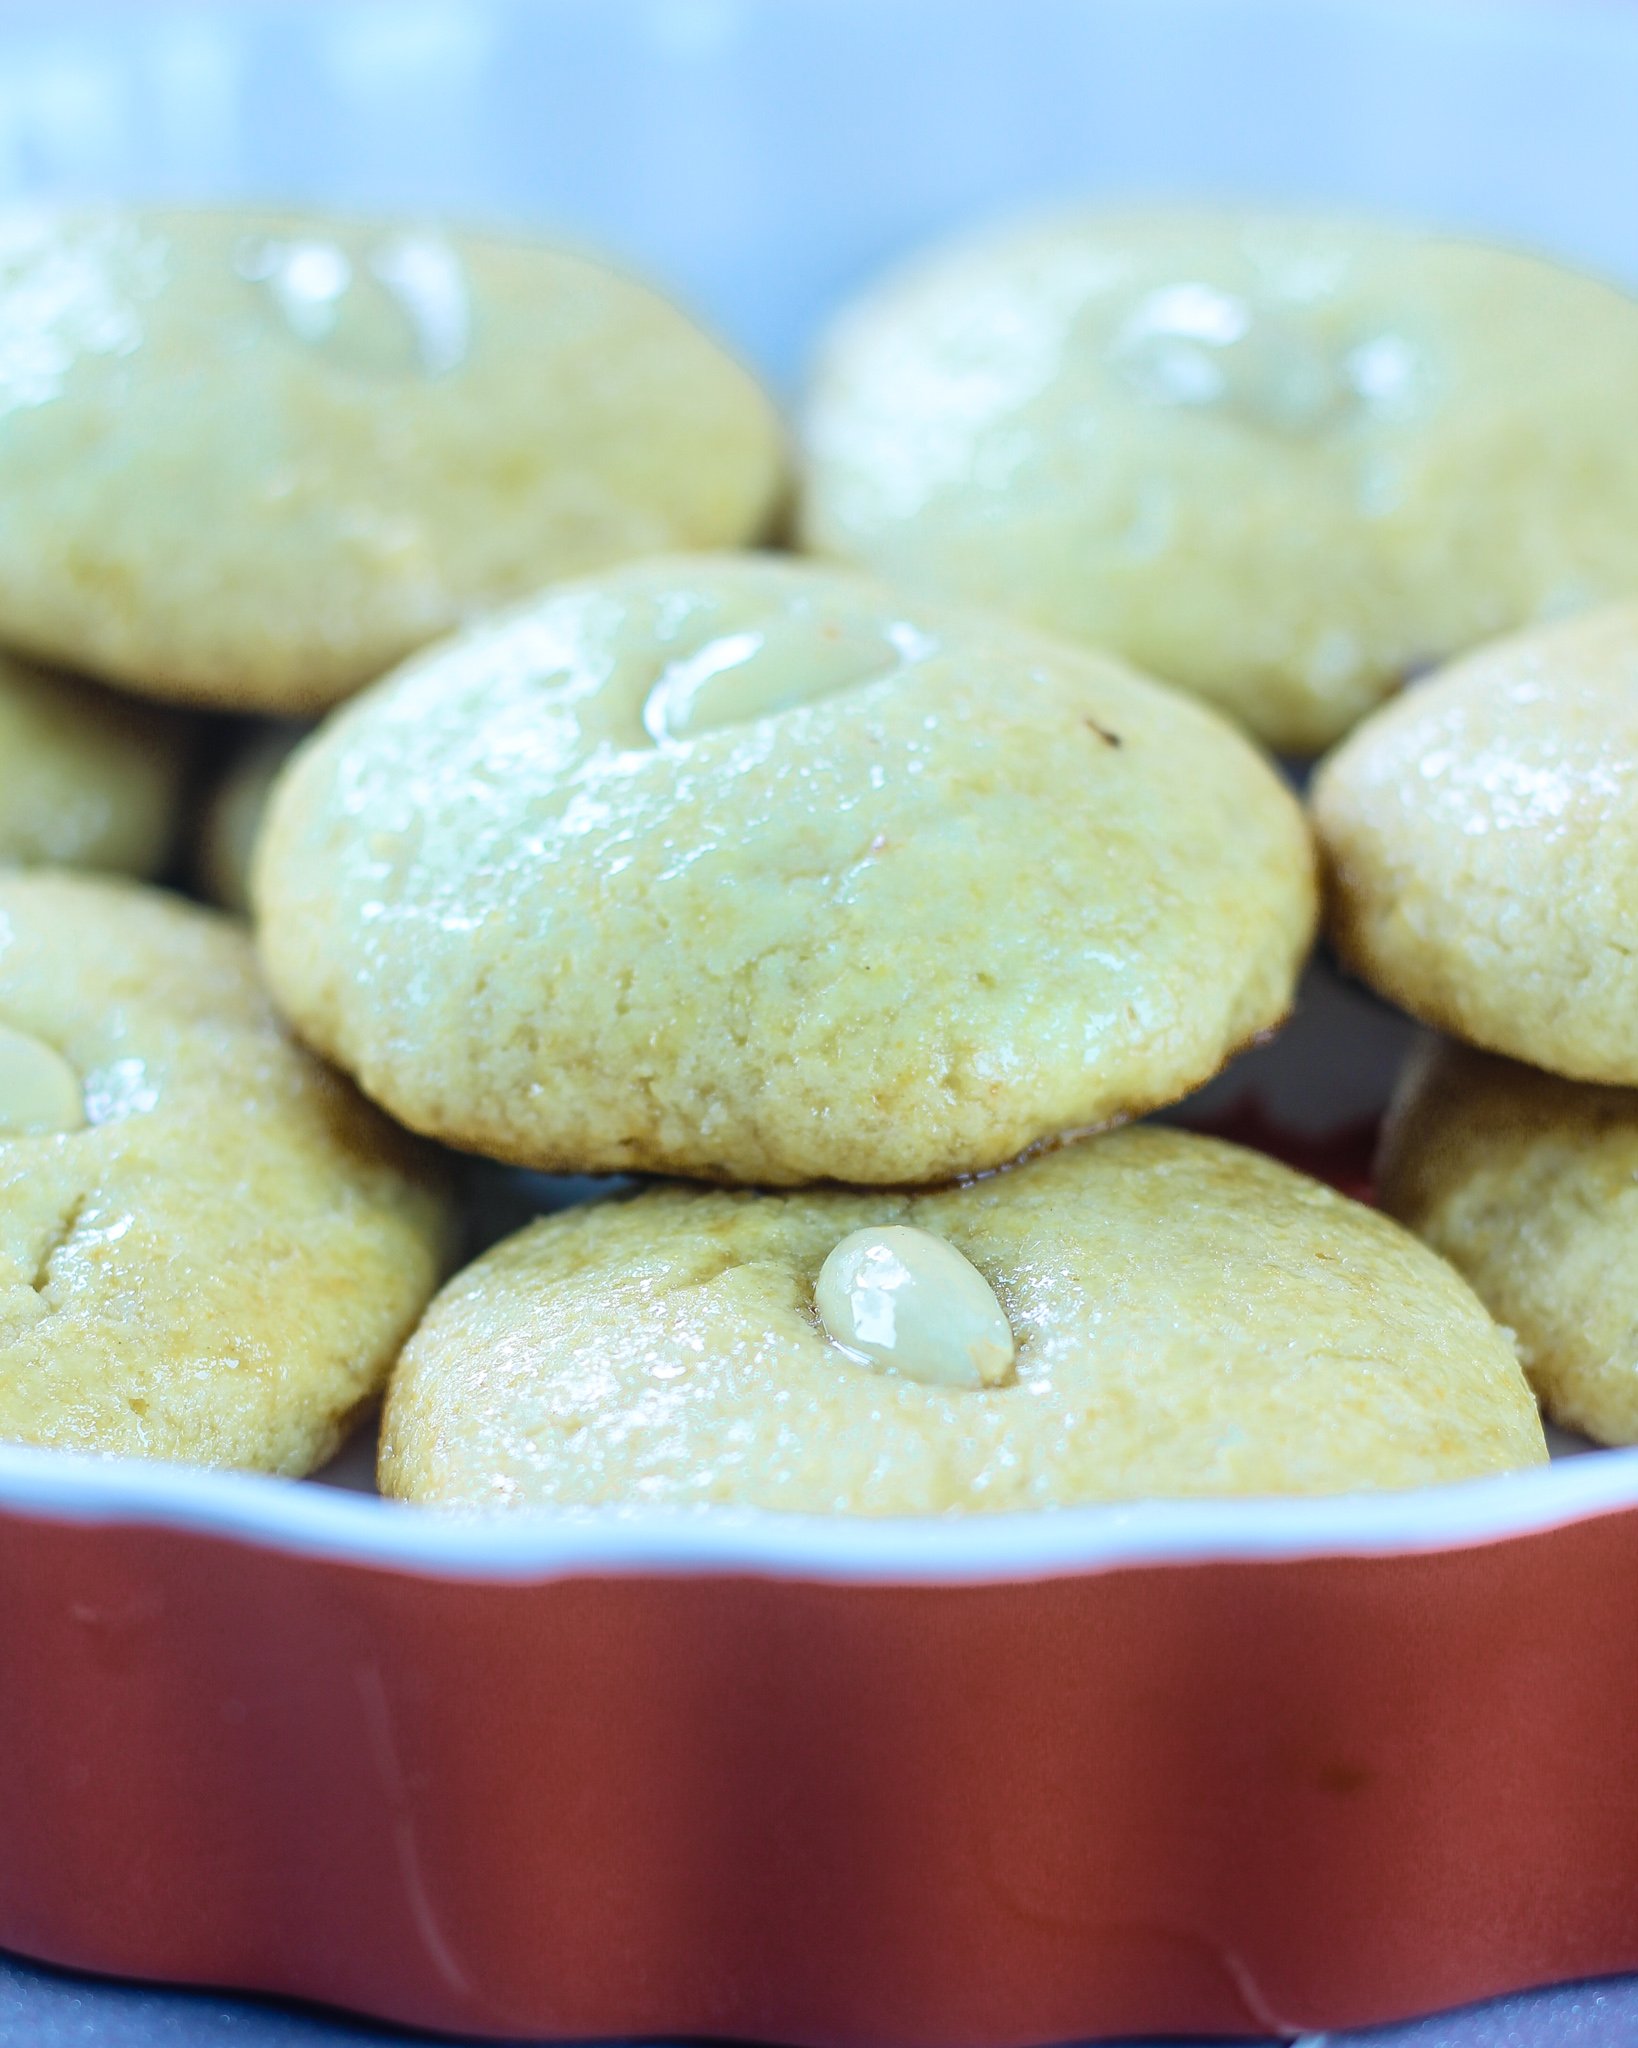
1482	840
252	460
87	779
746	869
1279	460
1528	1184
1166	1315
209	1247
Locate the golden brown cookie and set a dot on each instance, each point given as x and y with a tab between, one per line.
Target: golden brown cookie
231	817
1278	459
87	779
210	1249
1481	837
1529	1185
253	459
1183	1318
752	870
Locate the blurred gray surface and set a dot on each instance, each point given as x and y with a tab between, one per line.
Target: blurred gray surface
50	2009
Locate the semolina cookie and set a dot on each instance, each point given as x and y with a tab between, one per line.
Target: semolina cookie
210	1249
1529	1185
253	459
1481	837
1279	460
87	779
750	870
231	817
1148	1313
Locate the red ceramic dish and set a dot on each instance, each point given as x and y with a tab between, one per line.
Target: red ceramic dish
1344	1157
1241	1768
1232	1768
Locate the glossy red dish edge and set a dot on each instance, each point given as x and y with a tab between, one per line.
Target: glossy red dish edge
1346	1157
1231	1768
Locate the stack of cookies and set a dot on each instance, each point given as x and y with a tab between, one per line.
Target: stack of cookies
246	463
1482	840
856	901
762	874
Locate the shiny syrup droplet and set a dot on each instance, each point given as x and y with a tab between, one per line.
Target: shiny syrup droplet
394	307
40	1094
776	665
1195	347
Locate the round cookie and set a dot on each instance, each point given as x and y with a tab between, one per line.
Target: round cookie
210	1249
253	459
90	780
1278	460
1481	837
232	813
1529	1185
746	869
1187	1319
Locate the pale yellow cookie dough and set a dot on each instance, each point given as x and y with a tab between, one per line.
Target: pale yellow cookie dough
210	1249
87	779
231	816
1482	842
1529	1184
253	459
747	869
1189	1319
1278	460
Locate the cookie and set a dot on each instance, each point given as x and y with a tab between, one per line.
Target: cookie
1529	1185
1281	461
210	1249
1145	1314
1481	838
746	869
90	780
231	816
251	460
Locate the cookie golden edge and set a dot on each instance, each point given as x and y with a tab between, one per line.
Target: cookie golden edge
1263	1003
254	1326
102	628
93	780
1528	1184
1371	872
1285	710
228	818
470	1404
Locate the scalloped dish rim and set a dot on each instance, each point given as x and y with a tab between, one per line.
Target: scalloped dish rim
304	1520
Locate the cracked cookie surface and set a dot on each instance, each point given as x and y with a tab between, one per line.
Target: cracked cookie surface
751	870
210	1248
